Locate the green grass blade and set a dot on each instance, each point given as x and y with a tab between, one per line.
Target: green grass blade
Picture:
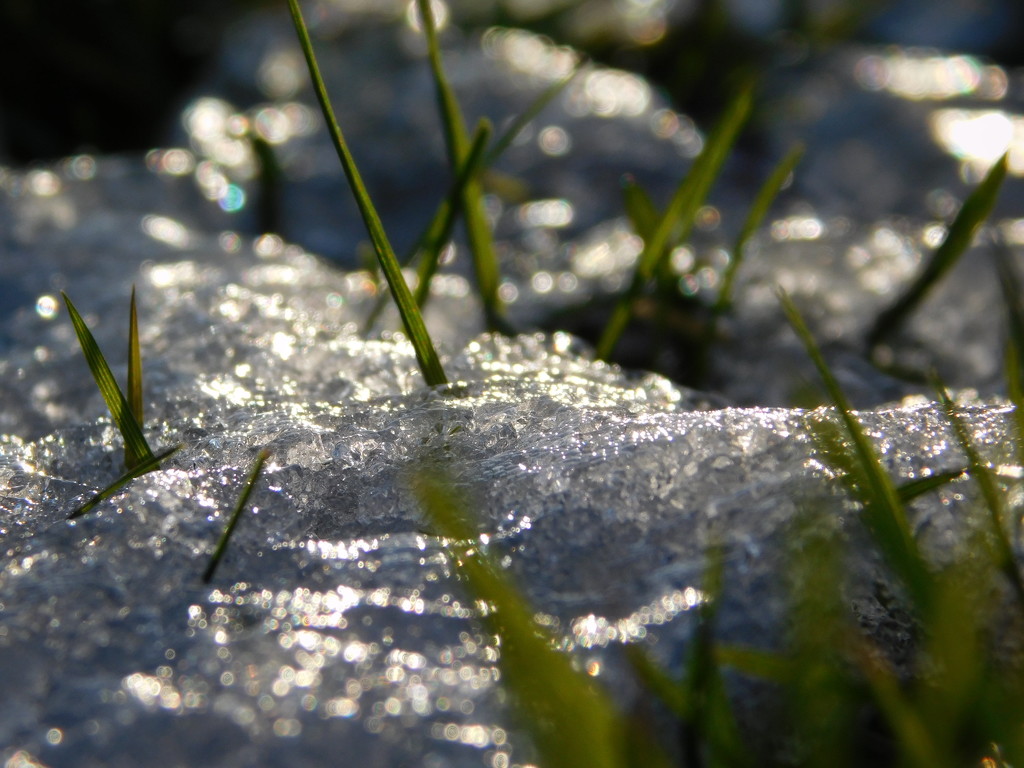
883	512
1006	561
478	230
134	363
136	448
639	207
243	499
524	118
426	355
677	221
440	231
975	210
572	720
911	489
137	471
758	210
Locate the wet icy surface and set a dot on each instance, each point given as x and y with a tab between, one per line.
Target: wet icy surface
336	623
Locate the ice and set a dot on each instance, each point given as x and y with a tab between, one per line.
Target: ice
337	623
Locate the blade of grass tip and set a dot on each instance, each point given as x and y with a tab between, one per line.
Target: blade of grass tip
883	510
478	231
243	499
435	241
134	363
677	221
137	450
758	210
972	214
524	118
137	471
426	355
1006	561
639	207
572	720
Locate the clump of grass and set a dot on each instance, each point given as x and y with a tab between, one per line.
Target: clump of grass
412	320
236	515
676	222
126	412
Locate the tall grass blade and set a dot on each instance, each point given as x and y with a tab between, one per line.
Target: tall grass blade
243	499
677	221
911	489
573	722
426	355
437	236
504	141
1005	560
867	479
136	448
137	471
478	230
134	364
972	214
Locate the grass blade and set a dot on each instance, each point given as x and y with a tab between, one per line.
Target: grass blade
572	720
134	364
243	499
677	221
137	471
975	210
758	210
911	489
883	512
440	230
527	115
136	448
426	355
1006	561
478	231
639	207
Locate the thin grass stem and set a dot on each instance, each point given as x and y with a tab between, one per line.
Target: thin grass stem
426	355
134	364
478	230
236	515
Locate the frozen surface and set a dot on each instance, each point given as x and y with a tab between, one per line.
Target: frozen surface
336	624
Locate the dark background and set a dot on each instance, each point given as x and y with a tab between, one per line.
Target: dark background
108	75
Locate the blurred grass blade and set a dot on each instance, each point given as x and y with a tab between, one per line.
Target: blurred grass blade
1006	560
478	230
754	662
572	720
137	471
426	355
758	210
639	207
440	233
134	364
975	210
243	499
911	489
883	511
136	448
677	221
524	118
